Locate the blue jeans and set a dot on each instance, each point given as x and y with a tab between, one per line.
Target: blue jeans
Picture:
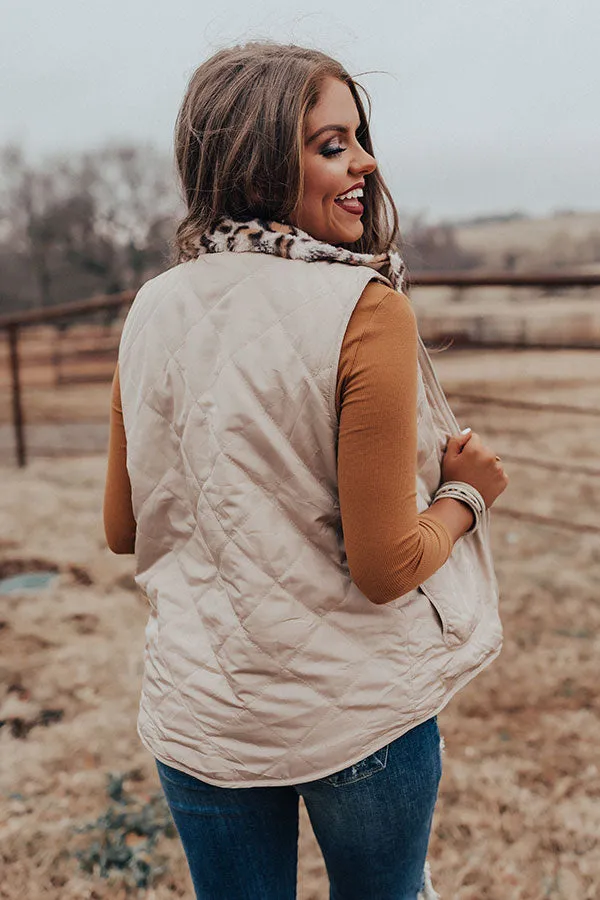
372	821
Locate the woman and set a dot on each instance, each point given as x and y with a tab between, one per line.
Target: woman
310	524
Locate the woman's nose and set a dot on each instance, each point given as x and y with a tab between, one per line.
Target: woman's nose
363	163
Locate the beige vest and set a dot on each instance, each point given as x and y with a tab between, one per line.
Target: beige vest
264	663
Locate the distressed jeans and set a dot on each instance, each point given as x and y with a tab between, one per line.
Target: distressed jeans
372	821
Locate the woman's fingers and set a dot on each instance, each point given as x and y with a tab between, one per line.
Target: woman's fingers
458	441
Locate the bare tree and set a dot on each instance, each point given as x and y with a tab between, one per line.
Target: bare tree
73	226
136	198
27	196
427	246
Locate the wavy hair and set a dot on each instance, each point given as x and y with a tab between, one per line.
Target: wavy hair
239	141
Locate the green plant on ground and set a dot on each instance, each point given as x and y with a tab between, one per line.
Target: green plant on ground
124	836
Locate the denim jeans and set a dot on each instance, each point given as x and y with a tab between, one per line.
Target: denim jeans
372	821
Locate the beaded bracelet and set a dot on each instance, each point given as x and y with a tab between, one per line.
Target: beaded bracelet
466	493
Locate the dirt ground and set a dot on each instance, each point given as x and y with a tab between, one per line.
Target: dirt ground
519	810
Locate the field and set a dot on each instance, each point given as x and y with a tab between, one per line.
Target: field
519	811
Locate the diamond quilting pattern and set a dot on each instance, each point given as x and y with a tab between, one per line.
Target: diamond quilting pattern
275	660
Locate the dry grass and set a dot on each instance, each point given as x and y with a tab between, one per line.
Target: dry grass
519	812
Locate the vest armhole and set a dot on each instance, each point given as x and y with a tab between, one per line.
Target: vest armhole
339	340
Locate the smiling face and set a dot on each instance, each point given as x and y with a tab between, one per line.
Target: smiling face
335	168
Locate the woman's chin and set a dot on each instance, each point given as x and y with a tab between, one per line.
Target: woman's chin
334	231
352	235
347	234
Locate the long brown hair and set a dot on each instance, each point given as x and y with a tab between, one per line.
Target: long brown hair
239	140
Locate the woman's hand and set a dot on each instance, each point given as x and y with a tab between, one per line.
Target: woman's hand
468	459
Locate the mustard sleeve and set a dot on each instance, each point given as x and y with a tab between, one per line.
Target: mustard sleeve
390	547
119	521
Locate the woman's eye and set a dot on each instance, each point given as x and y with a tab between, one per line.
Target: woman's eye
332	150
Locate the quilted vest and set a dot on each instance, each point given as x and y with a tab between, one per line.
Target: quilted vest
264	663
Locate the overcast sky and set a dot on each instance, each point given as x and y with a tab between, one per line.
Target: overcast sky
478	105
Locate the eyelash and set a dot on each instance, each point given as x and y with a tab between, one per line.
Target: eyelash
329	151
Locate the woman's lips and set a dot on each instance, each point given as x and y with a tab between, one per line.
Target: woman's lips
352	206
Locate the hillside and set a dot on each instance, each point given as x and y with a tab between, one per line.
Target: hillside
567	239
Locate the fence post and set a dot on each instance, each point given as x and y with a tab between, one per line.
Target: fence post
17	407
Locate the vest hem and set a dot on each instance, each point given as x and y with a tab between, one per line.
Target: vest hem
387	738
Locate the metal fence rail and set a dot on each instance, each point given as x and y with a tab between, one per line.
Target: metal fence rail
62	311
474	278
547	521
509	403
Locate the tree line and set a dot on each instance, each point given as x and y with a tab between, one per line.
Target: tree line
71	227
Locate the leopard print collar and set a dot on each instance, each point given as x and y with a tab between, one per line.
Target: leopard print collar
276	239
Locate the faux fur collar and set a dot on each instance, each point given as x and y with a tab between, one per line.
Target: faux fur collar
277	239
